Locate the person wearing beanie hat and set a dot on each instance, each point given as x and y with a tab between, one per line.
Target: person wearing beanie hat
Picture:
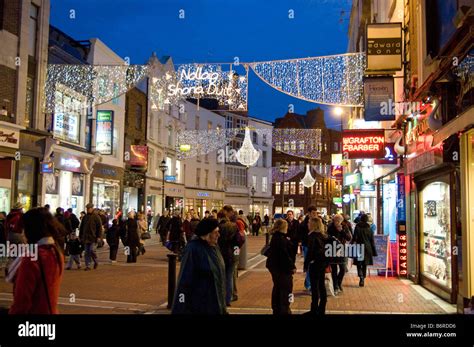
201	282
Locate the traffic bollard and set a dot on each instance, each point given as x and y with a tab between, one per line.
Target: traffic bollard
171	278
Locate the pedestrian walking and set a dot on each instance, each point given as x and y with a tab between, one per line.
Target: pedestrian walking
316	263
142	228
74	247
240	241
149	218
90	233
66	223
176	234
201	281
292	233
73	220
342	234
303	231
256	224
281	265
228	245
188	233
113	239
36	282
364	236
14	225
132	237
163	227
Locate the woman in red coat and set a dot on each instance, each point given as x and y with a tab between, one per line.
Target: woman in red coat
38	277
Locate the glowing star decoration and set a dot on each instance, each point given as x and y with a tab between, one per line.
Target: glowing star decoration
247	155
308	180
97	84
330	80
203	81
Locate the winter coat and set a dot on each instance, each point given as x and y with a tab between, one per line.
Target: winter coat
303	231
176	230
228	241
163	225
14	227
91	228
142	228
316	251
66	223
293	230
29	291
201	282
187	229
280	258
74	221
342	236
74	247
194	223
364	236
132	237
113	235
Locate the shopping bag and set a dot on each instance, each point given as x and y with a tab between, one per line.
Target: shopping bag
329	285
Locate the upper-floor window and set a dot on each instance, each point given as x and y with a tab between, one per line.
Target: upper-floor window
255	137
264	139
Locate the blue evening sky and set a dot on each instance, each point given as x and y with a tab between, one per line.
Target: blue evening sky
215	31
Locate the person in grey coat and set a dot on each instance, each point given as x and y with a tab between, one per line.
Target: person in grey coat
364	236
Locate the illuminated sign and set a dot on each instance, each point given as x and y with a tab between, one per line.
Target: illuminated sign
70	163
337	202
185	148
363	144
390	155
352	180
47	167
170	178
384	47
138	156
378	92
402	249
336	171
104	132
203	194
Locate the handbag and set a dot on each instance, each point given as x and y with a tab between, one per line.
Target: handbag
265	251
145	236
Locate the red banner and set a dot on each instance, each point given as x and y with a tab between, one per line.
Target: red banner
363	144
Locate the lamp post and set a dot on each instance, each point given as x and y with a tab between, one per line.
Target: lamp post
283	169
163	168
253	191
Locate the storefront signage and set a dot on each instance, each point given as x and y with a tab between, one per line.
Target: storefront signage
138	156
401	207
70	163
378	94
336	172
66	127
337	202
170	178
402	249
67	162
384	47
423	161
104	132
47	167
367	188
9	138
203	194
363	144
352	180
390	155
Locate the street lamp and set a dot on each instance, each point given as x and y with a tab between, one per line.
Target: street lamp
253	191
283	169
163	168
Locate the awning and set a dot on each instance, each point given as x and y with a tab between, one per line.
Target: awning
454	126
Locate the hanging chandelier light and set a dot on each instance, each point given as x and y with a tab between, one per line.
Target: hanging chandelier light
308	180
247	155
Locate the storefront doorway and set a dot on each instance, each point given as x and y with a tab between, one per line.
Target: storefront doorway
106	195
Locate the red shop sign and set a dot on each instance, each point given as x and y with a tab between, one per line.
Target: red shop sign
363	144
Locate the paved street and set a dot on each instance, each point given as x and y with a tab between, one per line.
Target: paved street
124	288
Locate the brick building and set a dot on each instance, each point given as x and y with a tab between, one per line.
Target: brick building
296	196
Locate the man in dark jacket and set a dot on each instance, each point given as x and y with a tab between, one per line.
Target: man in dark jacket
162	227
74	220
90	232
281	265
132	238
201	283
228	245
303	238
292	233
176	234
342	234
365	237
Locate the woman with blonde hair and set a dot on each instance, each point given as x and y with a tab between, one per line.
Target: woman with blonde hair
281	266
316	263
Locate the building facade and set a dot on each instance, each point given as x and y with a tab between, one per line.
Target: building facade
288	190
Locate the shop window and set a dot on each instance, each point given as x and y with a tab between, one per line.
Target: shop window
435	215
286	187
264	184
292	188
301	188
277	188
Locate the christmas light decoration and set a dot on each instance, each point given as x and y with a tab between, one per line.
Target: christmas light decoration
277	176
202	81
308	180
192	143
247	155
303	143
330	80
98	83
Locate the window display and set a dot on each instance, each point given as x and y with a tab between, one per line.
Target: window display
436	228
5	199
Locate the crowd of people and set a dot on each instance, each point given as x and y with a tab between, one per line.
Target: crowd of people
313	234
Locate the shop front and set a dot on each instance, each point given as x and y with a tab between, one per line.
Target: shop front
153	195
174	197
106	187
9	145
65	180
133	191
203	200
238	202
